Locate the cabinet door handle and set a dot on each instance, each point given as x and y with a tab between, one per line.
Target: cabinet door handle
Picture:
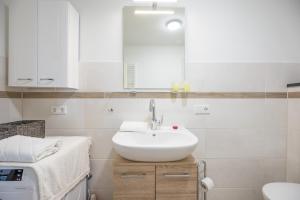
177	175
46	79
24	79
129	175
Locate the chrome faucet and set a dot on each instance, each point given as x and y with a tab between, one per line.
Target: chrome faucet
155	124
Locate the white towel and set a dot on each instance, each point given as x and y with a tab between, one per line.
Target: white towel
27	149
132	126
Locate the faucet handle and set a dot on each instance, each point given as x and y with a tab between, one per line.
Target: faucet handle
161	121
151	105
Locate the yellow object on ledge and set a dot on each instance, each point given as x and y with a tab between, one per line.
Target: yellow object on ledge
175	87
186	87
182	87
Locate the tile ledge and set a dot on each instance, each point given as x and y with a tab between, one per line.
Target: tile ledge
162	95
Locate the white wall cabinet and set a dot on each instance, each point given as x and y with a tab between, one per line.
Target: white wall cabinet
23	43
43	44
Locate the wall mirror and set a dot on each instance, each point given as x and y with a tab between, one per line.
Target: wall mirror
153	47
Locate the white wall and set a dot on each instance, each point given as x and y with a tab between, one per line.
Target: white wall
10	109
243	140
217	30
3	44
156	66
101	29
256	39
293	150
243	31
3	29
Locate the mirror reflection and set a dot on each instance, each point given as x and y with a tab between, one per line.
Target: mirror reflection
154	47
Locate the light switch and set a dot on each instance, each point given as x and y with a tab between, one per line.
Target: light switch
201	109
59	110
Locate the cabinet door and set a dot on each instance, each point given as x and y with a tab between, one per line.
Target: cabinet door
134	182
23	43
73	48
52	43
176	182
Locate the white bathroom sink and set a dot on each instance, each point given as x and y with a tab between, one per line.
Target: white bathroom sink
160	145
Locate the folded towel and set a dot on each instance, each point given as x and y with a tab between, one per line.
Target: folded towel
131	126
27	149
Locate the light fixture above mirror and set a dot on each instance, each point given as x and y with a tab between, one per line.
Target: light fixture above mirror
155	1
154	9
154	12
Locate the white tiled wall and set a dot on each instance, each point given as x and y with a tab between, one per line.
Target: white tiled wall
10	109
244	141
293	152
204	77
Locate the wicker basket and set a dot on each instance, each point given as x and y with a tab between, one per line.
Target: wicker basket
33	128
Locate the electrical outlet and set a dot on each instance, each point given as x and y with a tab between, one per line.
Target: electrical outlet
201	109
59	110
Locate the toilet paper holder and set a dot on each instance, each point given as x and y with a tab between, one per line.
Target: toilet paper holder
205	182
203	162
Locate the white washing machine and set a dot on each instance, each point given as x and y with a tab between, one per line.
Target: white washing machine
21	184
61	176
17	184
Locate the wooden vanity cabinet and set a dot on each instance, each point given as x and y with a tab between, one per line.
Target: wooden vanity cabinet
155	181
176	182
134	182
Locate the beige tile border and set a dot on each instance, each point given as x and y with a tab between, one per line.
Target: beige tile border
159	95
5	94
63	95
141	95
276	95
191	95
294	95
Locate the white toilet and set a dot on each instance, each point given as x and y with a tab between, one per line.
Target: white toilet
281	191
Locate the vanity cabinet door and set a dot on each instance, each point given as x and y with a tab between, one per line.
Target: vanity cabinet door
176	182
134	182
